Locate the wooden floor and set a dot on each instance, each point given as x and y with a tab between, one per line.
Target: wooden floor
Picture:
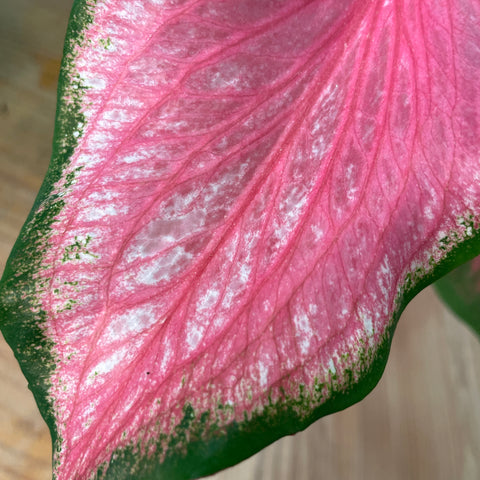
421	422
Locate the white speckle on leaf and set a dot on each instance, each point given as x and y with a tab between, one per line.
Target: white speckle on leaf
164	266
304	332
289	211
366	319
107	365
245	273
385	276
263	374
167	352
313	309
133	321
331	367
97	213
194	335
317	232
428	213
97	83
208	300
132	157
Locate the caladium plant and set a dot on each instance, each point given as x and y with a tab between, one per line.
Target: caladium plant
243	196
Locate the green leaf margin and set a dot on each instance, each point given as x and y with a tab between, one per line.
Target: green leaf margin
21	319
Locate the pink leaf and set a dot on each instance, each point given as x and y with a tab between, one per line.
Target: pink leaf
256	189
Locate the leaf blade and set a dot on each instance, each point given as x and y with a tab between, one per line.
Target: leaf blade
320	206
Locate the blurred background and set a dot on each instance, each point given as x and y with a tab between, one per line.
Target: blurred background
421	422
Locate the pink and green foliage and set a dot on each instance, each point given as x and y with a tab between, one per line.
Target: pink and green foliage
461	291
243	196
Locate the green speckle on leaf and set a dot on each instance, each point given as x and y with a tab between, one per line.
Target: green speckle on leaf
106	43
77	249
70	177
67	306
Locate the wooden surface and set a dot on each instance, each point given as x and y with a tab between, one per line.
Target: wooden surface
421	422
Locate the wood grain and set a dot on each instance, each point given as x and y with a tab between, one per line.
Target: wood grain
421	422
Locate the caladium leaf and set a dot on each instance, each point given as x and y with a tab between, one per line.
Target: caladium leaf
460	289
243	196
